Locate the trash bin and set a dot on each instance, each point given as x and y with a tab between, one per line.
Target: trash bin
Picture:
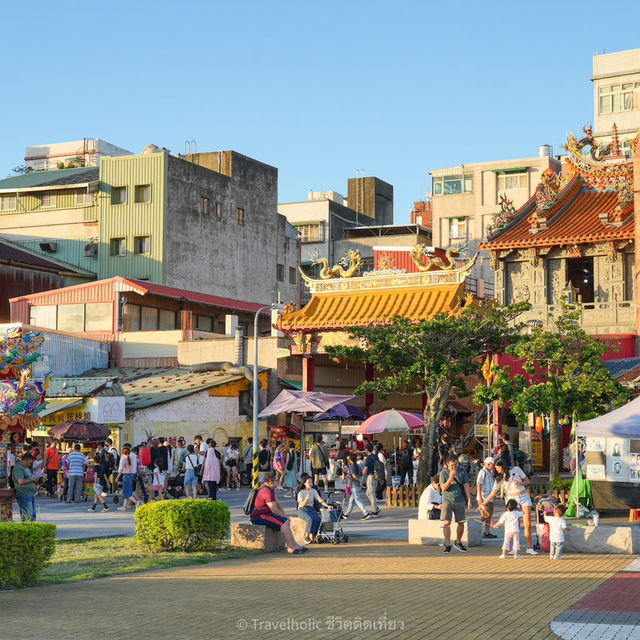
395	481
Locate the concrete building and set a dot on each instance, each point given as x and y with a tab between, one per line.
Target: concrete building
616	96
422	213
62	155
163	219
466	197
324	218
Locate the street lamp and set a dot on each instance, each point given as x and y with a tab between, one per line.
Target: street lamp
256	382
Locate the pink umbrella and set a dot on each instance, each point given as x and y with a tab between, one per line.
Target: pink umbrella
391	420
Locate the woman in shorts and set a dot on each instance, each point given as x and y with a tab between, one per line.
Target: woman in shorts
191	471
513	482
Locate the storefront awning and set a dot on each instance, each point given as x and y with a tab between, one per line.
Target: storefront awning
59	404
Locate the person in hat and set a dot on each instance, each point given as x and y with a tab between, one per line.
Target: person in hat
484	485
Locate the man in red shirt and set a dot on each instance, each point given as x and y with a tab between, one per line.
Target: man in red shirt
268	511
52	464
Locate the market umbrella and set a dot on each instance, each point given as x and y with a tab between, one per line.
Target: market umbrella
391	420
288	401
80	430
340	412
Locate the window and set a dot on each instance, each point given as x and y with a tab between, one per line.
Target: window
311	232
457	228
148	319
292	275
43	316
204	323
218	209
280	272
118	195
118	247
617	97
131	317
142	245
98	316
166	320
580	275
222	329
240	216
507	181
452	185
70	317
143	193
47	199
7	203
205	206
82	198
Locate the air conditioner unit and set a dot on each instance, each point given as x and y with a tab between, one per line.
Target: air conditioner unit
49	247
90	250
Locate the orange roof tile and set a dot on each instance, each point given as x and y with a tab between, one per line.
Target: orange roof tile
357	308
573	219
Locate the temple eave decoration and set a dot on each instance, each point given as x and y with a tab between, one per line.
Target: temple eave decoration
376	297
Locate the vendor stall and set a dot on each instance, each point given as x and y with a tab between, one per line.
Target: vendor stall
612	447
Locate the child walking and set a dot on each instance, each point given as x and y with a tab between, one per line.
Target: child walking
511	520
159	477
557	525
98	490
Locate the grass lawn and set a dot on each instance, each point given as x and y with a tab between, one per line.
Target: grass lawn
85	559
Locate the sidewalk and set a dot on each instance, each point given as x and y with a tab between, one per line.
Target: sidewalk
416	592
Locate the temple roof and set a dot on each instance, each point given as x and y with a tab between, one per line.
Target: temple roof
358	308
579	215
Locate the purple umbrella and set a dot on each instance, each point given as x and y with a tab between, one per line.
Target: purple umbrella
302	401
81	431
340	411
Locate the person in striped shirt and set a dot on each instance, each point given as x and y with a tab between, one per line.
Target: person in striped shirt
77	463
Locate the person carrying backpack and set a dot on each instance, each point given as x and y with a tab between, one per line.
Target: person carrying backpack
406	464
290	472
264	460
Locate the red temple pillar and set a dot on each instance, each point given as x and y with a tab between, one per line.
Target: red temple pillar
308	373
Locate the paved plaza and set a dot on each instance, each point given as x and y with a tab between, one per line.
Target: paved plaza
418	590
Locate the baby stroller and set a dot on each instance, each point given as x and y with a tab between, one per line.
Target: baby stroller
332	516
545	505
175	488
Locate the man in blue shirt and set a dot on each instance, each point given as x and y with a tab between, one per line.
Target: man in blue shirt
454	484
77	462
369	477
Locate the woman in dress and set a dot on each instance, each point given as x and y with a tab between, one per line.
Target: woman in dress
290	469
513	482
126	471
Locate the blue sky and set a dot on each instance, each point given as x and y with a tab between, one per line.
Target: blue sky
320	90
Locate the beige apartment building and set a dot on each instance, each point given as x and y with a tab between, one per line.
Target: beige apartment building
616	96
466	197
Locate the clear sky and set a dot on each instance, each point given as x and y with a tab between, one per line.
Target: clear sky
321	90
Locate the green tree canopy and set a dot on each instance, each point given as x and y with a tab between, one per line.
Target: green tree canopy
432	357
565	375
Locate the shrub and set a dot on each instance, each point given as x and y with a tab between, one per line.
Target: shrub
25	549
182	525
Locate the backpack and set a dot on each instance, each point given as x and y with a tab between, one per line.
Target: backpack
291	460
379	470
406	460
107	461
249	503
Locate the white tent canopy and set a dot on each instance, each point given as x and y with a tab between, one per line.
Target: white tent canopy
621	423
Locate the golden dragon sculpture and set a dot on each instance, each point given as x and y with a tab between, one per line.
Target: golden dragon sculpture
427	263
337	271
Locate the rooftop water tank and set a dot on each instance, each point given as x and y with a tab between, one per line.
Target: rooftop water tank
545	151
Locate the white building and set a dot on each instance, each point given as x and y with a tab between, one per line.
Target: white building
64	155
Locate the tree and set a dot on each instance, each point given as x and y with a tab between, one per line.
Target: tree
566	376
431	357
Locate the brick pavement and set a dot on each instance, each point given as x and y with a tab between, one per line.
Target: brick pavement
474	595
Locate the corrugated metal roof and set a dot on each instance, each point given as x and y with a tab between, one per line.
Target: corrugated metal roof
146	387
103	291
59	177
82	386
619	368
17	253
55	405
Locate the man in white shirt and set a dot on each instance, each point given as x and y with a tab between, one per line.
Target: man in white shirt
430	500
200	446
484	484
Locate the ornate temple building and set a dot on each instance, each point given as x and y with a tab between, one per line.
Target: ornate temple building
430	282
574	239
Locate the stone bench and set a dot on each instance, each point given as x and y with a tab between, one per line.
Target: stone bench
605	538
429	532
251	536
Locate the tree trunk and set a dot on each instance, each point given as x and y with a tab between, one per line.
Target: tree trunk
437	401
555	446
